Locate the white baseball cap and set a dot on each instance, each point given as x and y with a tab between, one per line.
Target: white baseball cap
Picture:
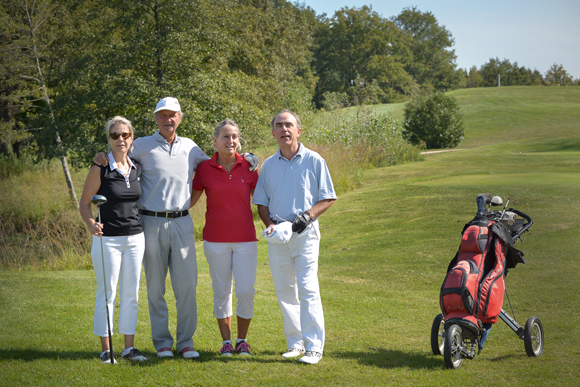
168	103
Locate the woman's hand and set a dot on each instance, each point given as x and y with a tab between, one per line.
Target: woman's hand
97	229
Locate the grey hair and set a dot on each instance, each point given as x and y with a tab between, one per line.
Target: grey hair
287	111
118	120
223	124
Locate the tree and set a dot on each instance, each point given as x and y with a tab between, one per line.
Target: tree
435	120
357	47
510	74
558	76
129	55
474	79
27	35
433	62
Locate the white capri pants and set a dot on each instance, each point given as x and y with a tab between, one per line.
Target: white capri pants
241	261
123	255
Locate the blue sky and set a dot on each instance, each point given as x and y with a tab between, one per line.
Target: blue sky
535	34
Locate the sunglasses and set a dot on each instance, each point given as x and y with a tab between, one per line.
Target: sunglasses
115	135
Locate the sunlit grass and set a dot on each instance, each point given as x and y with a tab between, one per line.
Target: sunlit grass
385	248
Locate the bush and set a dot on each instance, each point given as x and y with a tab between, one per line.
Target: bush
435	120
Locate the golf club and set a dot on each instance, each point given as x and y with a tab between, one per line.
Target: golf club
98	200
503	212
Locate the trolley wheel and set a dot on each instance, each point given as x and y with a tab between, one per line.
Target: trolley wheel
438	335
534	337
452	347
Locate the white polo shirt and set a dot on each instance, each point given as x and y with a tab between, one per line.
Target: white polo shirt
290	187
166	171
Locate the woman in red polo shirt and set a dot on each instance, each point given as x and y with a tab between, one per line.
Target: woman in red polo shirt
229	236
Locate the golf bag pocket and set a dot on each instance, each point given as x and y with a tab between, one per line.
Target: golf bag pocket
493	287
458	288
473	244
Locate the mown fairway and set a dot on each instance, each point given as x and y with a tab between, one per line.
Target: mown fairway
385	249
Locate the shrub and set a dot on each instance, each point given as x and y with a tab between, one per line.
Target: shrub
435	120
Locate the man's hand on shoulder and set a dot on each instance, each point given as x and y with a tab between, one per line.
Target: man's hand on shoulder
253	160
101	159
301	222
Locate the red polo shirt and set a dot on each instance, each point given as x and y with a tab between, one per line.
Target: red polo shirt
228	218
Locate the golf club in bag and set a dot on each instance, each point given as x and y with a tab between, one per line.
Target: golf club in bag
98	200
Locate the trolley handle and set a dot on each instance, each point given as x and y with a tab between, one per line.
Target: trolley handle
526	226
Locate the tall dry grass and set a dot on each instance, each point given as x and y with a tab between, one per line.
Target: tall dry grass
40	227
353	143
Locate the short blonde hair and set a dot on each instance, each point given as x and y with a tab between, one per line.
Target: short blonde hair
223	124
115	121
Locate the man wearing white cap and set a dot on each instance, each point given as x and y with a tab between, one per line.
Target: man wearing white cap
167	163
293	190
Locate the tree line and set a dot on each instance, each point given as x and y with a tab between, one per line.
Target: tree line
68	65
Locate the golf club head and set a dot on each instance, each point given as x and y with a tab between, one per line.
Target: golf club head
98	199
496	201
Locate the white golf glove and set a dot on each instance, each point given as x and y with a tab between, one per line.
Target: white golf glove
281	233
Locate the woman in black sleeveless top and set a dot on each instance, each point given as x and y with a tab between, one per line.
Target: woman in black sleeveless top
122	234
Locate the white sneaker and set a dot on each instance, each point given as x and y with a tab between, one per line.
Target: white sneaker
189	353
311	357
165	352
293	352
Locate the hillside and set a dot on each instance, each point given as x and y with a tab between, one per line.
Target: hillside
498	114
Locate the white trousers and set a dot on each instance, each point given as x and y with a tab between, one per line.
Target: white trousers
123	256
241	261
294	267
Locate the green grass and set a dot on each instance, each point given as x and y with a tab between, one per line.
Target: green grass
384	252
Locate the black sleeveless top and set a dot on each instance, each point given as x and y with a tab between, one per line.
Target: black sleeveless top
119	214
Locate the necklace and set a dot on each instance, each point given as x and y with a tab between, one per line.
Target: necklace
228	167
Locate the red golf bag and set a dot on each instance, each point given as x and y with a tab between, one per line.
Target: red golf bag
473	290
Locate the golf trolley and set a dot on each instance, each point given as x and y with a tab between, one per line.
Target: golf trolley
472	293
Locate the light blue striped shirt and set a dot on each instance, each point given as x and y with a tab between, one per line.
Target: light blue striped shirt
290	187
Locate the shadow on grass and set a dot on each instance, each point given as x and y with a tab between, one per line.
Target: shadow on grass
29	355
555	145
376	357
386	358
